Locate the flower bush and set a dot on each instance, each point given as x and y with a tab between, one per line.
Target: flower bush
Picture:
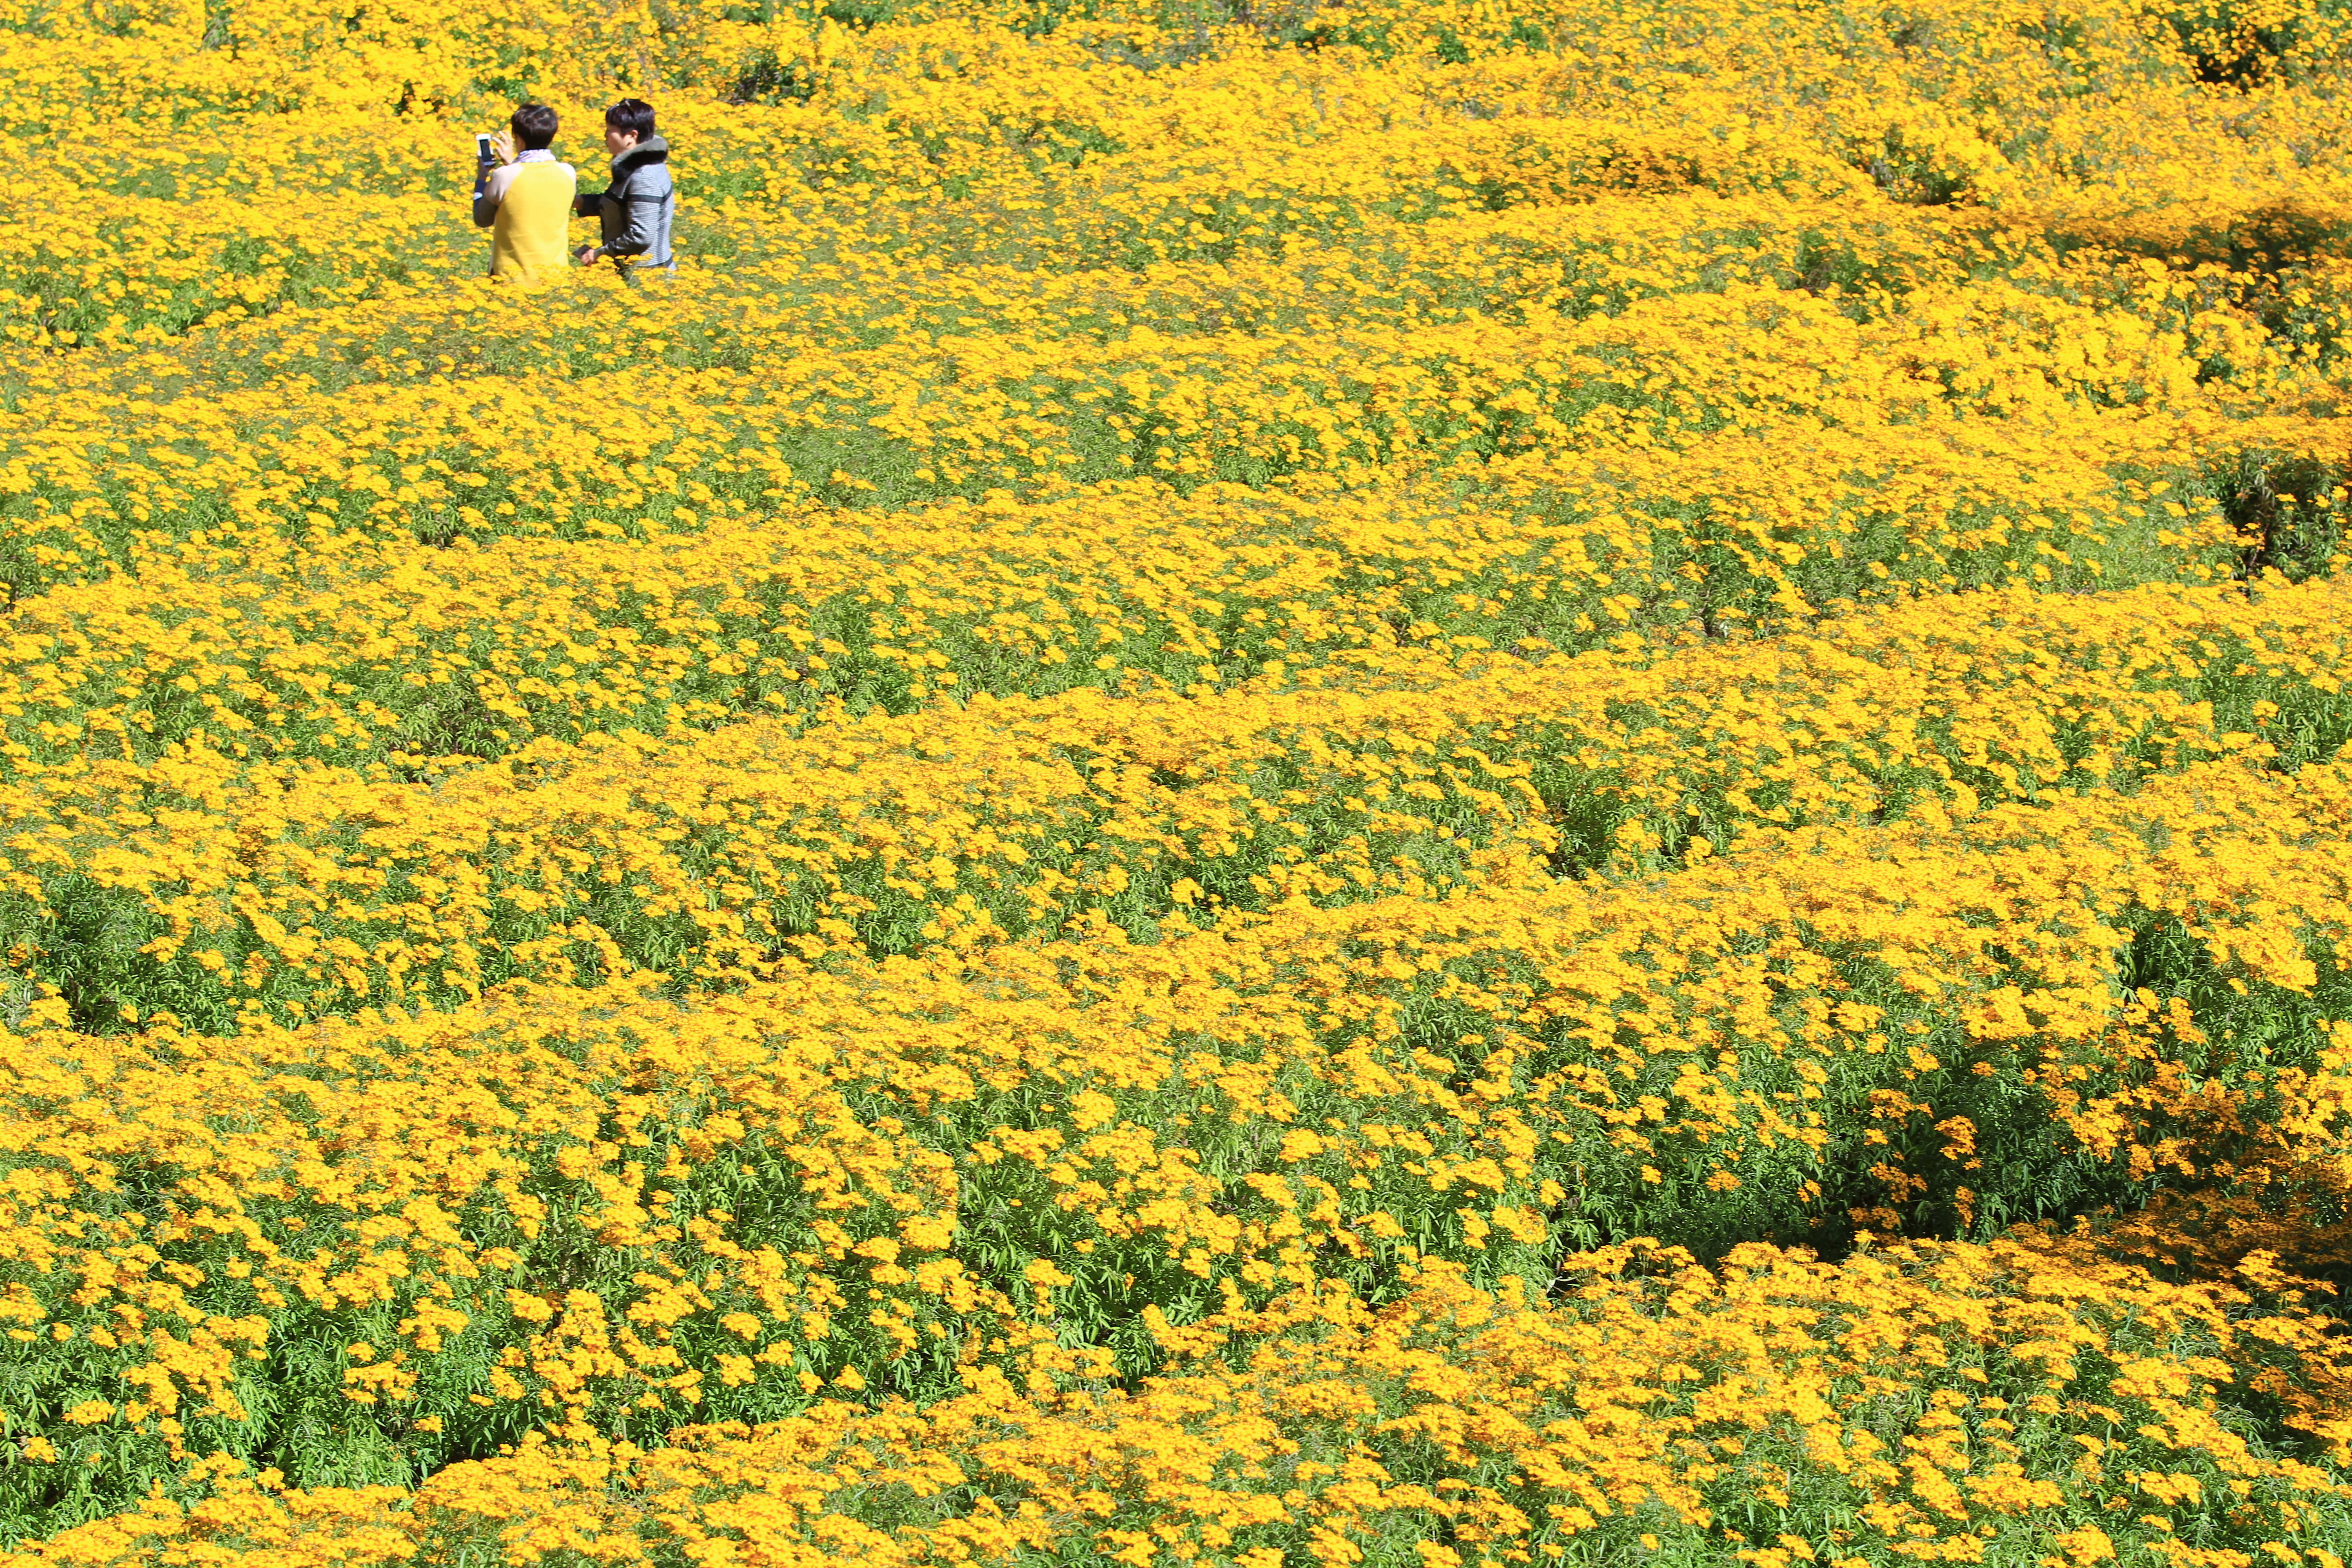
1274	785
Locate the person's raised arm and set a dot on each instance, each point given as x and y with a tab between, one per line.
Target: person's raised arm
487	196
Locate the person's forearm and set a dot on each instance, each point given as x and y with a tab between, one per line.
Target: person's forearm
636	235
486	206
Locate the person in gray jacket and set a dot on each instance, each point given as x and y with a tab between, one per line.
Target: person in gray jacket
635	211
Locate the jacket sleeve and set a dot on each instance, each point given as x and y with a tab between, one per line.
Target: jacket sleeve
488	190
638	214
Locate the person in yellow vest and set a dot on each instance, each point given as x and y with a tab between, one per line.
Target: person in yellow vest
523	197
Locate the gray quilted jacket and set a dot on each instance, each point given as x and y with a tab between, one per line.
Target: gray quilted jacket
634	212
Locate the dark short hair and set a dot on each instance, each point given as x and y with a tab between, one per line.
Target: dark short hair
631	117
534	127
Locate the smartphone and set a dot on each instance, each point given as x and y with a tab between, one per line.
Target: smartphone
481	147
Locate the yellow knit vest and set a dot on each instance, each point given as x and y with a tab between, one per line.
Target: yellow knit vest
533	231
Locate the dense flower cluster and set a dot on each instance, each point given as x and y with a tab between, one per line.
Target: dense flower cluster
1267	784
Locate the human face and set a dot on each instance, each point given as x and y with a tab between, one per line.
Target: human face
619	141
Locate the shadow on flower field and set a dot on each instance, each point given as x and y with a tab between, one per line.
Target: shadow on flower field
1267	784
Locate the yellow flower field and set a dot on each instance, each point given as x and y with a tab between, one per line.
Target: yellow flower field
1306	782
